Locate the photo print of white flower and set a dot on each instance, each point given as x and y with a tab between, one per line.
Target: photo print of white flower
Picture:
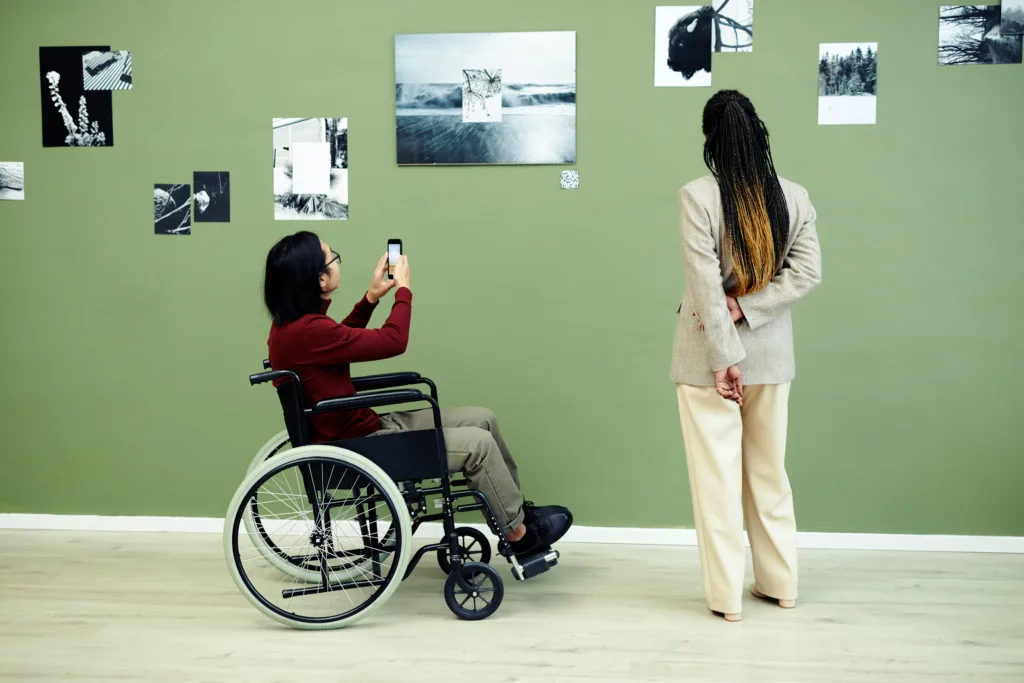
310	169
970	34
847	83
212	195
172	209
107	70
1012	18
486	98
72	118
682	46
12	180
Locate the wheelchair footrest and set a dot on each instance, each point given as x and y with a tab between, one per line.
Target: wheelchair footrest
534	565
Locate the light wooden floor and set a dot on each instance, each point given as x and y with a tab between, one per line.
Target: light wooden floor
161	607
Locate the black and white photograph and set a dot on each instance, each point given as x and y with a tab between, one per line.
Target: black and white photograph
970	34
212	197
12	180
570	180
1012	23
481	95
486	98
733	28
172	209
310	169
847	83
71	116
107	70
682	46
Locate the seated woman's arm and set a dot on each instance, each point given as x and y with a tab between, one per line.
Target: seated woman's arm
328	342
361	313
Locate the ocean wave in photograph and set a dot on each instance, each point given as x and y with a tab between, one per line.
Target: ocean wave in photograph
538	99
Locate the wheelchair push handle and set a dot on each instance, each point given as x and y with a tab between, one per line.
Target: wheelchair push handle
264	377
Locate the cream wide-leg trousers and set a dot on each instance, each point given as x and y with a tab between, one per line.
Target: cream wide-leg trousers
736	460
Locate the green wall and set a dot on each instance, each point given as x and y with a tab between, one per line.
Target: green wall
124	356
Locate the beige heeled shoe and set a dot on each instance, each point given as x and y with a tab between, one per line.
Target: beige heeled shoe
728	616
784	604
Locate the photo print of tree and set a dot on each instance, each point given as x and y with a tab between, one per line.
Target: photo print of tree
172	209
212	197
970	34
683	46
310	169
1012	18
485	98
733	26
72	118
847	83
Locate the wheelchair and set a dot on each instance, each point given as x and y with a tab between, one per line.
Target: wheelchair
319	536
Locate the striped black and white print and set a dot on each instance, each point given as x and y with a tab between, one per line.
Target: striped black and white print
107	70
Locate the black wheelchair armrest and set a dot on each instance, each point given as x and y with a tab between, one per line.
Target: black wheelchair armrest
377	398
263	377
386	381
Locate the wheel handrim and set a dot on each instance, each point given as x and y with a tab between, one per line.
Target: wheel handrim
338	537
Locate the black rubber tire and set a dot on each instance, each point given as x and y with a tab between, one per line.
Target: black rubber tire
469	607
478	549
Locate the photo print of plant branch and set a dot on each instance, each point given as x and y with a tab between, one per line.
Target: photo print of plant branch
212	197
172	209
70	117
969	34
310	169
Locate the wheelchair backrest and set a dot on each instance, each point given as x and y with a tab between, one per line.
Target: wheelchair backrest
289	392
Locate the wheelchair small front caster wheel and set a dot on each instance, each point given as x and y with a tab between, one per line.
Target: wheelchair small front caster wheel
483	597
474	546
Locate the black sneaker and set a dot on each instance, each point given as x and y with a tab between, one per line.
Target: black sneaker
550	521
531	543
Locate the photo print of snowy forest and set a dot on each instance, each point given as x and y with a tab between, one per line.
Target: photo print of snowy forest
486	98
310	169
847	83
969	34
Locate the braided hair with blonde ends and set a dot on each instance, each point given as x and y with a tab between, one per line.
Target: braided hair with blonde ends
737	152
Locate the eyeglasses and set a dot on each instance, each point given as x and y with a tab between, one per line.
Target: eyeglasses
337	258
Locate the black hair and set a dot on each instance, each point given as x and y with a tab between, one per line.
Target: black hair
737	152
291	284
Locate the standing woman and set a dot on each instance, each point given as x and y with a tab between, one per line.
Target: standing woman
750	250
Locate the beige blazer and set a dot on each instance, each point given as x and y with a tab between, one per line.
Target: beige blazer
762	343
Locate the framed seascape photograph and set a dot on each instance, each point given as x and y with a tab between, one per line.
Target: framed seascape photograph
12	180
486	98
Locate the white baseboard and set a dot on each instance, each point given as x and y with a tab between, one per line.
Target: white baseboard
578	534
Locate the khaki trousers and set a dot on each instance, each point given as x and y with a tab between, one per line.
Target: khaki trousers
475	448
736	460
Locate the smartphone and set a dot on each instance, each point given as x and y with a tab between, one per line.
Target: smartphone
394	251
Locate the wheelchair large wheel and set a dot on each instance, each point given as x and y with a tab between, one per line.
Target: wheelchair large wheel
330	510
274	445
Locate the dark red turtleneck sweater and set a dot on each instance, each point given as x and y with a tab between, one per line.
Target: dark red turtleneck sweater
320	351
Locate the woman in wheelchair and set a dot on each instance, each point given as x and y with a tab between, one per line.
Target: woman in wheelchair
301	274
